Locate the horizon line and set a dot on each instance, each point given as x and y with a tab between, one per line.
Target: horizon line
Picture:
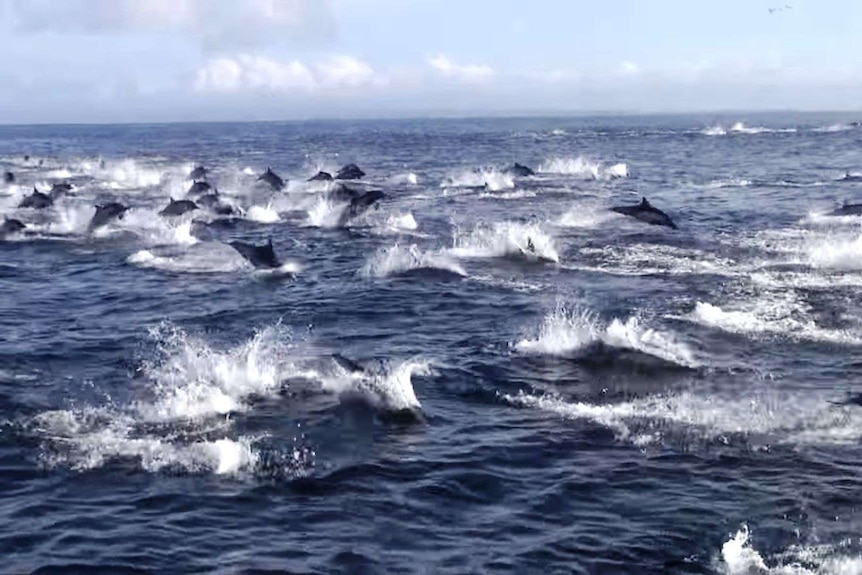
446	115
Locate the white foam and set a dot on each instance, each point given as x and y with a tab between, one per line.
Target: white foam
714	131
203	257
405	222
836	253
566	331
774	313
191	385
739	557
585	216
835	128
263	214
652	259
506	239
584	167
325	214
398	259
408	178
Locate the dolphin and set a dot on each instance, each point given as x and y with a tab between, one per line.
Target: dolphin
359	205
60	190
198	173
37	200
645	212
344	193
321	177
349	172
847	210
271	178
8	177
213	202
178	207
848	177
198	188
105	213
259	256
10	226
520	170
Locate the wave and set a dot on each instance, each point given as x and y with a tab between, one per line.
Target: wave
506	239
490	179
385	386
579	333
780	315
836	128
399	260
179	422
585	168
739	557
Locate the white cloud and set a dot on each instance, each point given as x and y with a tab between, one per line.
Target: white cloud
629	68
472	73
215	22
253	73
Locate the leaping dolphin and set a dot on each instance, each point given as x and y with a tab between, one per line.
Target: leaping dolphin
105	213
847	210
359	205
10	226
321	177
520	170
198	173
60	190
349	172
213	202
271	178
37	200
259	256
178	207
645	212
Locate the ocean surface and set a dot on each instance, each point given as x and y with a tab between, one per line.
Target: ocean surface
417	391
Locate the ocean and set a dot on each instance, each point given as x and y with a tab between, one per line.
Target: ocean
483	372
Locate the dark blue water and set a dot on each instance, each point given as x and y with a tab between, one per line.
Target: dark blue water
622	398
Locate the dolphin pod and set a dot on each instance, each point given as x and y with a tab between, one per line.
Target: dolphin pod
645	212
259	256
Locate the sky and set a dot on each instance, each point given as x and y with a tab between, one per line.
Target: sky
235	60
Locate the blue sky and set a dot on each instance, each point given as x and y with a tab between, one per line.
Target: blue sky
166	60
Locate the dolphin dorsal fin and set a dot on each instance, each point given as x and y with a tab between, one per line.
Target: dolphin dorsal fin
644	202
35	191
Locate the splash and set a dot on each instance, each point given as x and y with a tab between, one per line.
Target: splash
325	214
179	422
203	257
584	168
408	178
402	222
506	239
398	260
714	131
263	214
585	216
739	557
386	387
836	253
565	332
